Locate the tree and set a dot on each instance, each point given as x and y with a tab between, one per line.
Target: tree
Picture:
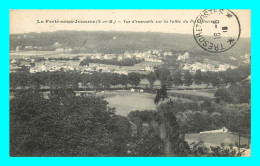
151	77
123	79
164	92
65	125
134	79
161	94
164	75
114	79
216	81
241	92
173	140
158	133
96	79
157	97
194	121
177	78
187	78
198	77
216	120
238	120
147	142
121	132
223	95
107	80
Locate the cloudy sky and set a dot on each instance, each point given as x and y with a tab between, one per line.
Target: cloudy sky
23	21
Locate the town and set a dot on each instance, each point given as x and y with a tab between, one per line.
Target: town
87	97
144	62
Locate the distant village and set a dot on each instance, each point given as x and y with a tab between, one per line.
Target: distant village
61	58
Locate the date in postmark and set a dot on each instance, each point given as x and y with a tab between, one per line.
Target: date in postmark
216	30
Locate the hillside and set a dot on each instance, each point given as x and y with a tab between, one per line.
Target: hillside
119	42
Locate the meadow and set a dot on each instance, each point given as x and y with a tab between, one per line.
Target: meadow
126	101
215	139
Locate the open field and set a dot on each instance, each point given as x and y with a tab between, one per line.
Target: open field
46	54
49	64
195	86
126	101
201	93
135	68
215	139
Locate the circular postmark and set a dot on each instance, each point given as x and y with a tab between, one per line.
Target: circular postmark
216	30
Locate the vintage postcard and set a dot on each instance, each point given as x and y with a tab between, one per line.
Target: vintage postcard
154	83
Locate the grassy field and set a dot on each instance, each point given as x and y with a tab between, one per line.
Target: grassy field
126	101
135	68
46	54
202	93
215	139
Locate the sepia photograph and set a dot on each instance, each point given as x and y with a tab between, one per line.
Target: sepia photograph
130	83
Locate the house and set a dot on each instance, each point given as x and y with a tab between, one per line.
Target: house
148	68
157	84
156	52
18	48
185	56
67	68
88	69
127	55
247	56
199	66
186	67
139	55
167	54
54	68
120	57
81	58
43	68
109	56
28	47
144	83
96	56
224	67
56	44
132	90
103	69
13	61
33	70
147	55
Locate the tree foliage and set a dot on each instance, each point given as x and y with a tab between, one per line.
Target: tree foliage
65	125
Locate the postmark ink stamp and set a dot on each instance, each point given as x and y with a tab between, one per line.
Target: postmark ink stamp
216	30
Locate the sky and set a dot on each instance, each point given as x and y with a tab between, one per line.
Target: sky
24	21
